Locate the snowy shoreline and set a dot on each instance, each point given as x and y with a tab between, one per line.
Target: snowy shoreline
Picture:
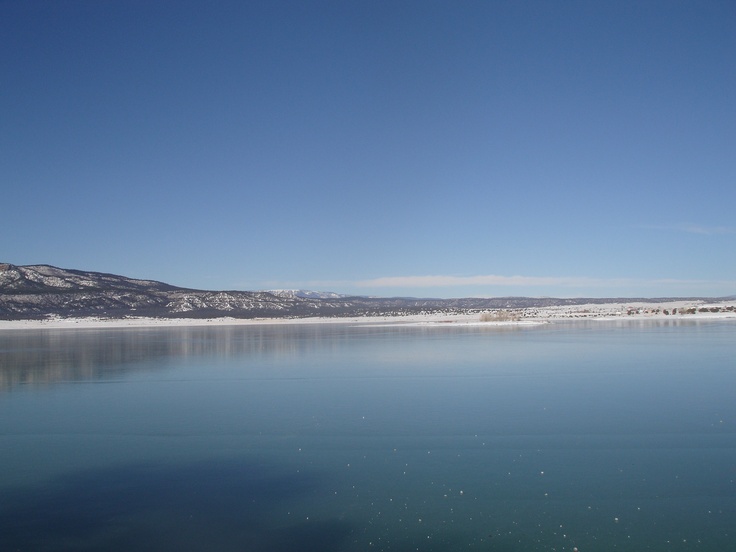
624	311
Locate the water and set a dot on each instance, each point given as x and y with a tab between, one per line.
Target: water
593	436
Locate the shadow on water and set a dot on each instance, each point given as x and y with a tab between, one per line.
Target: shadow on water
226	505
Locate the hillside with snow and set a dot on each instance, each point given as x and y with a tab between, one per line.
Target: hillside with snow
35	292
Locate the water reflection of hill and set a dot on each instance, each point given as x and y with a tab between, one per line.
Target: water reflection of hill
41	357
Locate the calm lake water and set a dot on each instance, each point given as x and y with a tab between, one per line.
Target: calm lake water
596	436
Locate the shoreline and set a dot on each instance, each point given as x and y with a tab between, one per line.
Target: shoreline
634	311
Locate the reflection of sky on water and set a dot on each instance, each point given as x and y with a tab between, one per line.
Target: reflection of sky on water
351	436
48	356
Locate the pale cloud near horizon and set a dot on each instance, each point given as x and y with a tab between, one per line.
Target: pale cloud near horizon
520	281
479	280
446	281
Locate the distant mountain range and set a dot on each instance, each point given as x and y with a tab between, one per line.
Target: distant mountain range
41	291
305	294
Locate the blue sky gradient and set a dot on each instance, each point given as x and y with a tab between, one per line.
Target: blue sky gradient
411	148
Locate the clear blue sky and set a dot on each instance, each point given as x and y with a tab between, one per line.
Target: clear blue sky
412	148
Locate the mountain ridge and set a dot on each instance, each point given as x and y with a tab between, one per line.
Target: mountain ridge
40	291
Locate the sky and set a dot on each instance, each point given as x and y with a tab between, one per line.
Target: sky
392	148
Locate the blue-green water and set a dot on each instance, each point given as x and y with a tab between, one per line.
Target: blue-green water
593	436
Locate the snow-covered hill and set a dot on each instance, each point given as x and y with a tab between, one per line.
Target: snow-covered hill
40	291
37	291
